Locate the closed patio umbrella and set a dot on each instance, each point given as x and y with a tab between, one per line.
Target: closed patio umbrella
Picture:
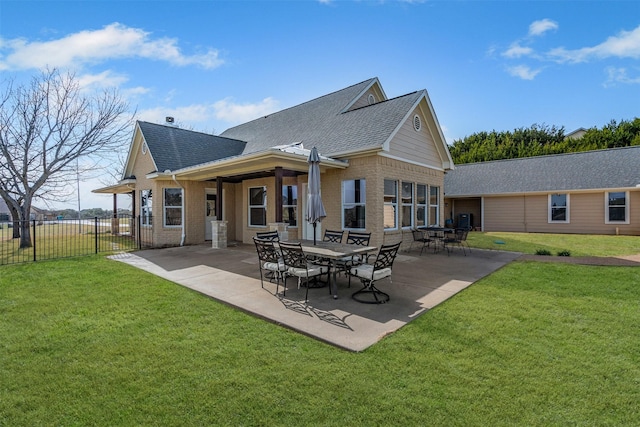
315	208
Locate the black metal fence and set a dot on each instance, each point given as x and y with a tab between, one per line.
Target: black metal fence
64	238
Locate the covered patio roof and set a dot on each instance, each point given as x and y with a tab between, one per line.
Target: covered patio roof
291	158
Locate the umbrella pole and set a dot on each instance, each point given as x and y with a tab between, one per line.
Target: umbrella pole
314	233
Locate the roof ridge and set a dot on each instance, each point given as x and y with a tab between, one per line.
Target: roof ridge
304	103
382	102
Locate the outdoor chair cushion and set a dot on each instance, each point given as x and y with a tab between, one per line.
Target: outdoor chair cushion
312	270
275	266
365	271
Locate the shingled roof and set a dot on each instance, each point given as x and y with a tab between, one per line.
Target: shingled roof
615	168
324	123
173	148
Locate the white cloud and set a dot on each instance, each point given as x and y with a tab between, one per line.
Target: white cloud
523	72
540	27
114	41
619	75
203	114
231	112
624	45
516	51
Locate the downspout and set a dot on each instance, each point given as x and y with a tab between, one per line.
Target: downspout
182	210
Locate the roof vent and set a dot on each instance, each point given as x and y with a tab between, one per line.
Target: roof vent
169	120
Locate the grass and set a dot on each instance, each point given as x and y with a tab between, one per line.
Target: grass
90	341
575	244
62	240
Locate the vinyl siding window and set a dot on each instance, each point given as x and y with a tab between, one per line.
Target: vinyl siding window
146	208
290	205
407	204
257	206
434	205
617	207
421	205
172	207
558	208
353	204
390	204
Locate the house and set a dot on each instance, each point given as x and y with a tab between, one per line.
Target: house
576	134
382	165
4	211
592	192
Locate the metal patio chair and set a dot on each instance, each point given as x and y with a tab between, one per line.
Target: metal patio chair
369	274
270	260
422	238
459	239
298	265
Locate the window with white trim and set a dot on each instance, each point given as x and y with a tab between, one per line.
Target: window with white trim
172	207
290	205
353	204
146	205
434	205
558	207
407	205
390	204
617	207
421	205
257	206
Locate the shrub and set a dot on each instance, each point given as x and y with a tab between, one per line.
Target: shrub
564	253
542	252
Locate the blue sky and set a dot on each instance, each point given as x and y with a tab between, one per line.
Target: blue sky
213	64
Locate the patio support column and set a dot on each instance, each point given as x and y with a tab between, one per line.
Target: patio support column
279	173
219	182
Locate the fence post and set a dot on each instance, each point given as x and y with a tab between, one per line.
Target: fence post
139	227
95	231
34	241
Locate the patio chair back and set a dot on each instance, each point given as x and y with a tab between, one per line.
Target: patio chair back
333	236
459	238
358	238
268	235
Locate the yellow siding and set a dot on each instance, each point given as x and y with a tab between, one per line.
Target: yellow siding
416	146
530	214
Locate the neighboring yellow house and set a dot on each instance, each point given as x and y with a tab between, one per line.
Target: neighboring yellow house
383	163
591	192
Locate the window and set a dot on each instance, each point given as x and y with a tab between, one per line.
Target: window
558	208
371	99
353	204
617	207
390	204
290	205
407	204
421	205
434	205
172	207
257	206
146	211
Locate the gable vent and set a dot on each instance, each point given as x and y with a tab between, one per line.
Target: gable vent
417	123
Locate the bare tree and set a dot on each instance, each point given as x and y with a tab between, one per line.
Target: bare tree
45	127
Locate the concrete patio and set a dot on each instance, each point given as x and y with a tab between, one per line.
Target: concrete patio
231	276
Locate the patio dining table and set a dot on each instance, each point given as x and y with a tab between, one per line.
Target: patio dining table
332	252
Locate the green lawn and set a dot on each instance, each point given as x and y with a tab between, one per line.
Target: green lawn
576	244
90	341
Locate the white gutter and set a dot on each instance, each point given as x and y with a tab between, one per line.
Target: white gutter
182	210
